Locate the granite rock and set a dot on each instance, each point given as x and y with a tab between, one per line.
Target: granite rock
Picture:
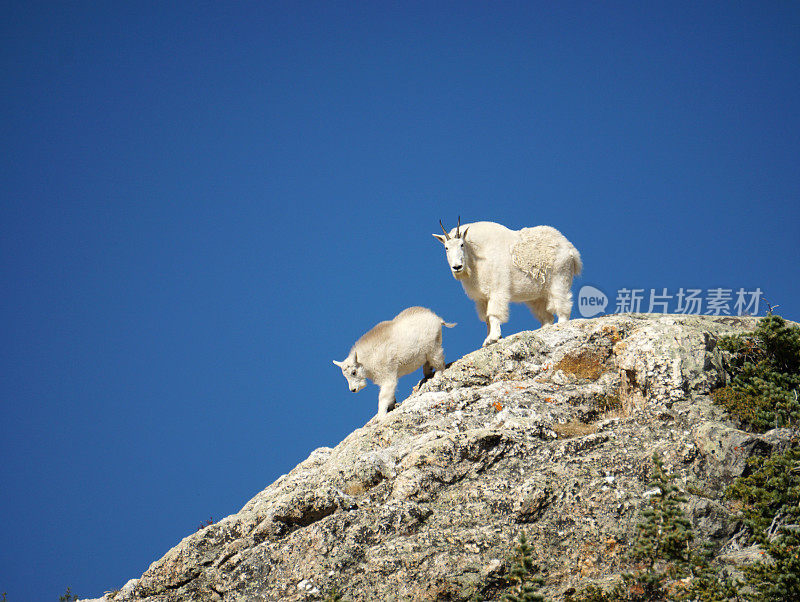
551	432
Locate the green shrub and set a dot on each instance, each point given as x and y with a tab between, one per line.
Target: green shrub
770	498
334	595
755	413
593	593
664	533
523	572
707	584
68	596
771	509
763	393
662	546
765	375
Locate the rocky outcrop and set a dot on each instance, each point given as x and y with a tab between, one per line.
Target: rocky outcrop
551	432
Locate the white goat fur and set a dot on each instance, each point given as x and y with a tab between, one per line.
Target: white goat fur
497	266
394	348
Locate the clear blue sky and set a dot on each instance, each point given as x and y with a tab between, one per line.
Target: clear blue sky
205	203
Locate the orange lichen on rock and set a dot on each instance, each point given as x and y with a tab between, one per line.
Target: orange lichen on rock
587	364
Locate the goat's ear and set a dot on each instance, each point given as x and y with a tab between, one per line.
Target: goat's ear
337	363
440	238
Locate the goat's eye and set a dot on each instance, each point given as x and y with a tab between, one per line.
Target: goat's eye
353	372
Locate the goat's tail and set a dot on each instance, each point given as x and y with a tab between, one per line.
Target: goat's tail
449	324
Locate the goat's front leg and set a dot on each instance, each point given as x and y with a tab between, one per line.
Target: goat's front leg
386	400
496	314
492	330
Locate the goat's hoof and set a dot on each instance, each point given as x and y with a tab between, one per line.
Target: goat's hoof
490	341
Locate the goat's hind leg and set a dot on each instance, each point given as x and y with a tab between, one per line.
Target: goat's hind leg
435	361
560	300
539	309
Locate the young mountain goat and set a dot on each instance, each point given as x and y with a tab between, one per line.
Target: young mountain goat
392	349
497	266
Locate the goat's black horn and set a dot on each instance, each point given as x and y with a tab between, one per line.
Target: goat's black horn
446	235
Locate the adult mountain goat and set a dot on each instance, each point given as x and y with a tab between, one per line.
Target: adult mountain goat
394	348
497	266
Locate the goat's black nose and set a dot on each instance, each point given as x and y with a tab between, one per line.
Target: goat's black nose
456	268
